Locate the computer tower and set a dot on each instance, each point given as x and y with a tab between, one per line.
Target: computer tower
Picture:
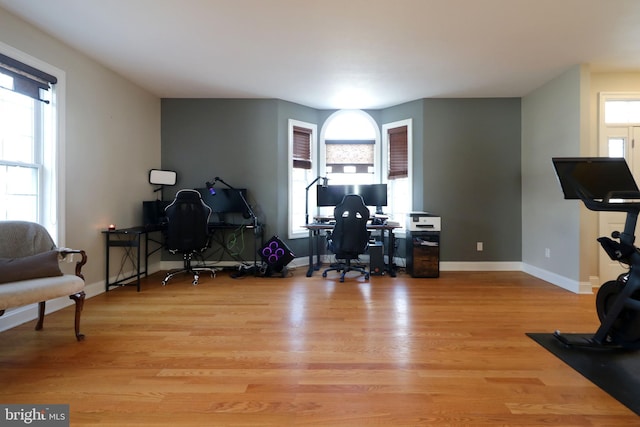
276	254
376	259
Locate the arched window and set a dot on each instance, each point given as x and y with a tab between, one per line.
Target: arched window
350	148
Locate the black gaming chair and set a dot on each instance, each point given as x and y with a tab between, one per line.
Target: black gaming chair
187	232
350	236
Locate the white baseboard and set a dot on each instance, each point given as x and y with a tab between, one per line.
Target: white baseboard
480	266
574	286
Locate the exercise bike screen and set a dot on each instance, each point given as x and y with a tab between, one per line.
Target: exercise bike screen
598	176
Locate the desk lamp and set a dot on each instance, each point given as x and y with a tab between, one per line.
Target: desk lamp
325	182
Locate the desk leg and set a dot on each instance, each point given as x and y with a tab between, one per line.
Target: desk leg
310	270
318	250
106	277
146	254
138	266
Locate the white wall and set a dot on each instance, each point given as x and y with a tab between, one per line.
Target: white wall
112	139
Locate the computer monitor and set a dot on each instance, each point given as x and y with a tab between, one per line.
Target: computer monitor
332	195
372	194
598	176
153	212
225	200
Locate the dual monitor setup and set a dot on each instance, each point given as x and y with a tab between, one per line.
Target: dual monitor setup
372	194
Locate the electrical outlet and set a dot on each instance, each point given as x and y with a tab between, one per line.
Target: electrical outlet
547	253
479	246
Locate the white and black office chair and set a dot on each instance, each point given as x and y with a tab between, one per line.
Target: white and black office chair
187	232
350	237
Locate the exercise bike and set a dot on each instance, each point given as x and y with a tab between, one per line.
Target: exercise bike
606	184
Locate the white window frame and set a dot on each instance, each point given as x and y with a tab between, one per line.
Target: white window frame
296	198
52	183
400	232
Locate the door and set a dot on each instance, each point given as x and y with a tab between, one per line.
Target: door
618	141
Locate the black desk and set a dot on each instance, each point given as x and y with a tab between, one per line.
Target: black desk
131	240
316	228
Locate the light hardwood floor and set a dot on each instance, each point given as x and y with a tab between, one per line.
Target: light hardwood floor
296	351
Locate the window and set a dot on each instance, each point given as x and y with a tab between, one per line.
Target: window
398	152
351	151
302	172
20	157
398	149
28	179
622	111
619	121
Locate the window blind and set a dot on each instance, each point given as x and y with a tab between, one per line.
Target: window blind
301	147
26	79
398	153
355	155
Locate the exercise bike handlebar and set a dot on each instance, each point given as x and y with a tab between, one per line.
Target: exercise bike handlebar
613	202
625	251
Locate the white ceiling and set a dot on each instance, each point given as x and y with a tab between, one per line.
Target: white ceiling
343	53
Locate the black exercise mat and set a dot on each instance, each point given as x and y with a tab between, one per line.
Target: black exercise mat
615	371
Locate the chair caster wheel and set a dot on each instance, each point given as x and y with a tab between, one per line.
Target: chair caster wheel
366	277
164	283
324	274
195	280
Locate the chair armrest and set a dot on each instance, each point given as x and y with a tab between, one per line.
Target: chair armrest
83	260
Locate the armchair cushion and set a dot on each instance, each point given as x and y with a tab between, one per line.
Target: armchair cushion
36	266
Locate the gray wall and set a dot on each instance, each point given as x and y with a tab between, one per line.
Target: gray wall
550	117
466	162
471	168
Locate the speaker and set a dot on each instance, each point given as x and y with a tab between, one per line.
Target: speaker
276	254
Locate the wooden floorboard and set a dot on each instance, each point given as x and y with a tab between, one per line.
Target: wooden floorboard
301	351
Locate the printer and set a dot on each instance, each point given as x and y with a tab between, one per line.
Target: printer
422	221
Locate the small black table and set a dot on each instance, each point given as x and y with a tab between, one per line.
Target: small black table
130	238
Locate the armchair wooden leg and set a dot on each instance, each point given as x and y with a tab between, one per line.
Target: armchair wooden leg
41	307
79	299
